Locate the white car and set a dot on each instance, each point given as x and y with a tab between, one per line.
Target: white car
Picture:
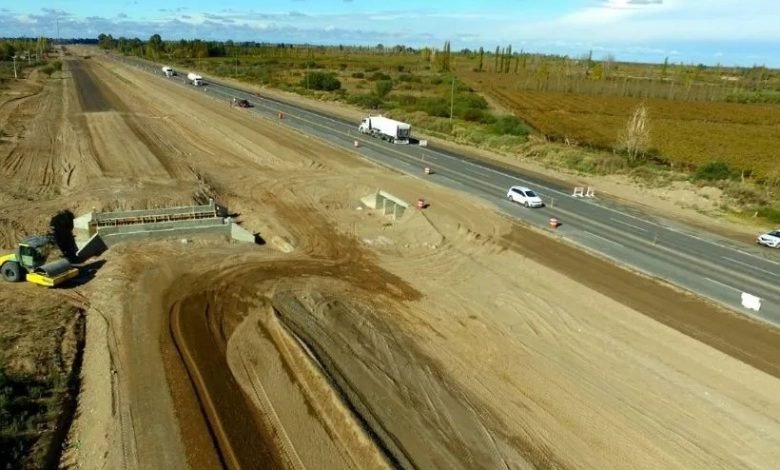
771	239
524	196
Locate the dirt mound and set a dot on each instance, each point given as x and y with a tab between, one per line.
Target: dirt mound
414	414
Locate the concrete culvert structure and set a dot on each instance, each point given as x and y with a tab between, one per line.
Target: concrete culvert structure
97	231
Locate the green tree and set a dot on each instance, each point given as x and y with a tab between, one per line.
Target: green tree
106	41
481	58
7	50
154	47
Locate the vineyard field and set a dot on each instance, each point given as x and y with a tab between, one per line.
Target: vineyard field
746	136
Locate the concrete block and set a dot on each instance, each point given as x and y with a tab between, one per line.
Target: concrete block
93	247
240	234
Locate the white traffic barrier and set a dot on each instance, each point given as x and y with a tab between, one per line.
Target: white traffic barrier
751	302
579	191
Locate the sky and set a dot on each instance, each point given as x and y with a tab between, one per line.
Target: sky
726	32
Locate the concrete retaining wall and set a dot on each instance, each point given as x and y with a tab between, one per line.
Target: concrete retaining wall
387	203
174	222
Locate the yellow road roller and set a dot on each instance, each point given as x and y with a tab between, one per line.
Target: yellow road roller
28	262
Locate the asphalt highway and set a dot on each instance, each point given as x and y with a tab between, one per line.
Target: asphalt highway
703	263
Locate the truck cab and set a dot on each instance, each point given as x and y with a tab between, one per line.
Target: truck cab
365	126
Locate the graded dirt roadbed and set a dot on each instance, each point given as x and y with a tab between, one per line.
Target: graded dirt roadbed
563	366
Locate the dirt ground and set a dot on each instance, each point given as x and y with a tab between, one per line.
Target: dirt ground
450	338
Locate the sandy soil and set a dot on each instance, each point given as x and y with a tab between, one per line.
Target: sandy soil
450	338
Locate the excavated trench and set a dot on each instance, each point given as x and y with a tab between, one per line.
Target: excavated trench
201	322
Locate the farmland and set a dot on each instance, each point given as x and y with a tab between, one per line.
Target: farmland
745	136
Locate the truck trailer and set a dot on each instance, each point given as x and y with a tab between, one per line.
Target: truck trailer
195	79
387	129
168	71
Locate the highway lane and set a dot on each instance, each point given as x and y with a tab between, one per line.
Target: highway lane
705	264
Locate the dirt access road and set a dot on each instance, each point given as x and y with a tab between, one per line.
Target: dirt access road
440	340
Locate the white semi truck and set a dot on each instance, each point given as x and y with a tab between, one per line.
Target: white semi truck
387	129
195	79
168	71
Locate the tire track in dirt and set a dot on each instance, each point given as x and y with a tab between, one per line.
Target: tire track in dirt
232	421
11	232
31	160
95	97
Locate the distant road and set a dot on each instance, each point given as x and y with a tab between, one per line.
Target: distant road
703	263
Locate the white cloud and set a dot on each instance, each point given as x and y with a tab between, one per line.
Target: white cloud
643	29
26	19
642	21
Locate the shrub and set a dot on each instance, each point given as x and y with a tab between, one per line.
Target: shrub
510	125
358	75
405	77
436	107
383	87
400	68
370	101
407	100
772	214
473	101
473	115
487	118
321	81
761	96
379	76
744	195
714	171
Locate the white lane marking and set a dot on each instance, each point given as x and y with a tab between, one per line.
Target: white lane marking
627	224
605	239
566	194
548	189
750	266
724	285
